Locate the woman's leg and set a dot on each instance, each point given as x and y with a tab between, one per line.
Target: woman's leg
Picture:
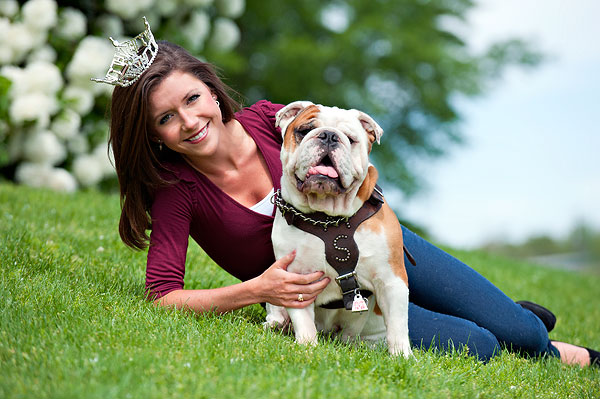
428	329
443	284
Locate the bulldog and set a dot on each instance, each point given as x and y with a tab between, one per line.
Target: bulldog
333	215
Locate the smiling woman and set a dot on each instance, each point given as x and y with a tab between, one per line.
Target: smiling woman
136	147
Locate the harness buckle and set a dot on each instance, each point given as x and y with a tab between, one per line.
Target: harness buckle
349	288
345	276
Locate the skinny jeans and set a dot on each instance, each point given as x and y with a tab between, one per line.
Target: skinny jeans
453	306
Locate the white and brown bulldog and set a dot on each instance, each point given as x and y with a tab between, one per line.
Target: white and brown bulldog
331	213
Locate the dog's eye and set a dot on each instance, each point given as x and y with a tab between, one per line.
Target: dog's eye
302	131
352	141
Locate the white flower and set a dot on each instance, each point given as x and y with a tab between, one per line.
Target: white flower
78	144
79	99
225	35
6	53
20	40
197	29
42	77
39	15
72	24
131	9
33	107
16	76
40	37
9	8
43	175
43	147
4	27
14	145
45	53
231	8
66	124
103	153
198	3
32	174
87	170
61	180
91	59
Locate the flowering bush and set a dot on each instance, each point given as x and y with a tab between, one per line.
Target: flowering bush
53	130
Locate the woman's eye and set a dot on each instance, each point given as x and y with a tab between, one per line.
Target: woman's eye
164	119
193	98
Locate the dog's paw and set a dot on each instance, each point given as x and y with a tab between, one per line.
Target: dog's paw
282	324
400	348
307	340
277	318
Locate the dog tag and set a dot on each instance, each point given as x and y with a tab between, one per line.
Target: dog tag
359	304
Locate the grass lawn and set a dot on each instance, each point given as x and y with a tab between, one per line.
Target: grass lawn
74	324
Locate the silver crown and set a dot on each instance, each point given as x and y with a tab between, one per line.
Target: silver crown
127	65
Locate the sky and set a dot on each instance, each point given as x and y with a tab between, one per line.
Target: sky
531	160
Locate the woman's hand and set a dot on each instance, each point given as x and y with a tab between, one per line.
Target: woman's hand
279	287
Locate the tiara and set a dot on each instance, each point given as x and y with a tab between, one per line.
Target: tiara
127	65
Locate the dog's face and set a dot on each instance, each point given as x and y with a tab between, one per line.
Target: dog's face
325	156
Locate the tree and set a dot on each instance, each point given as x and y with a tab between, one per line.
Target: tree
394	59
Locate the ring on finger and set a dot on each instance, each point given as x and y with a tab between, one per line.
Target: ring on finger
300	298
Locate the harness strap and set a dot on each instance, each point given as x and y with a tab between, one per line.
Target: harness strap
341	250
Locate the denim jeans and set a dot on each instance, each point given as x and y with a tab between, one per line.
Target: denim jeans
451	305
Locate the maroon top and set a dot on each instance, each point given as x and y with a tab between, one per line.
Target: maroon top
235	237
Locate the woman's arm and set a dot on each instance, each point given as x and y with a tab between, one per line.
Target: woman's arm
276	286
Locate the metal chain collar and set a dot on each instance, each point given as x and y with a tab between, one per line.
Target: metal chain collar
285	207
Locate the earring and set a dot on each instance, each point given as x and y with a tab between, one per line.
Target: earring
159	145
216	101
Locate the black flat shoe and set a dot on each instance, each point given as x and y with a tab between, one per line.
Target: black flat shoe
594	357
546	316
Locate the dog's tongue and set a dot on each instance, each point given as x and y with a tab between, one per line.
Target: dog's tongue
323	170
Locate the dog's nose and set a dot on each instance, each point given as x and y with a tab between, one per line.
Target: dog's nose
329	137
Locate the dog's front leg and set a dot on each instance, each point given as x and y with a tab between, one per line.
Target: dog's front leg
303	321
277	317
392	298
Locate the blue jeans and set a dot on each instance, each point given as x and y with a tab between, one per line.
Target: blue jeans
451	305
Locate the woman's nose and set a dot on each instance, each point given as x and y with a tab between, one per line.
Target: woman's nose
189	122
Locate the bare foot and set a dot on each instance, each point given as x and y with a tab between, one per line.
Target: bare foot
571	354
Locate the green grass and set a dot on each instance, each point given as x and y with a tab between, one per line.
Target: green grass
74	324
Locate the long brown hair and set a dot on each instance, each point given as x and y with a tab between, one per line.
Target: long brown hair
138	159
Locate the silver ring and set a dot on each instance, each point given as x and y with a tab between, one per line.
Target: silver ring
300	298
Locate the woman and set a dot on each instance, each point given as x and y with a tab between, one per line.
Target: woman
189	165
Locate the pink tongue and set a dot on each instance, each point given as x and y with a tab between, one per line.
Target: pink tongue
323	170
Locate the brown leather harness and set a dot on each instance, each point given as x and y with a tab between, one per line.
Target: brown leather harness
337	233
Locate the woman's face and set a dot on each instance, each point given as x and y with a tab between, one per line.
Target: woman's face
184	115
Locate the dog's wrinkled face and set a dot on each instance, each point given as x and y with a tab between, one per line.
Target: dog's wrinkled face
325	156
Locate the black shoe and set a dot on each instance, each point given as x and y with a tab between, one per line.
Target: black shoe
594	357
546	316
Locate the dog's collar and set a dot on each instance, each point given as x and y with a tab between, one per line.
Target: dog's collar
320	219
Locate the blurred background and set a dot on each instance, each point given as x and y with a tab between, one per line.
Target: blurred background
489	107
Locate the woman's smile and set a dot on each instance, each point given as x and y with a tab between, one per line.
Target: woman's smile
198	137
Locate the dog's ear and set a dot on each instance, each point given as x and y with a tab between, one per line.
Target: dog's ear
371	127
285	115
